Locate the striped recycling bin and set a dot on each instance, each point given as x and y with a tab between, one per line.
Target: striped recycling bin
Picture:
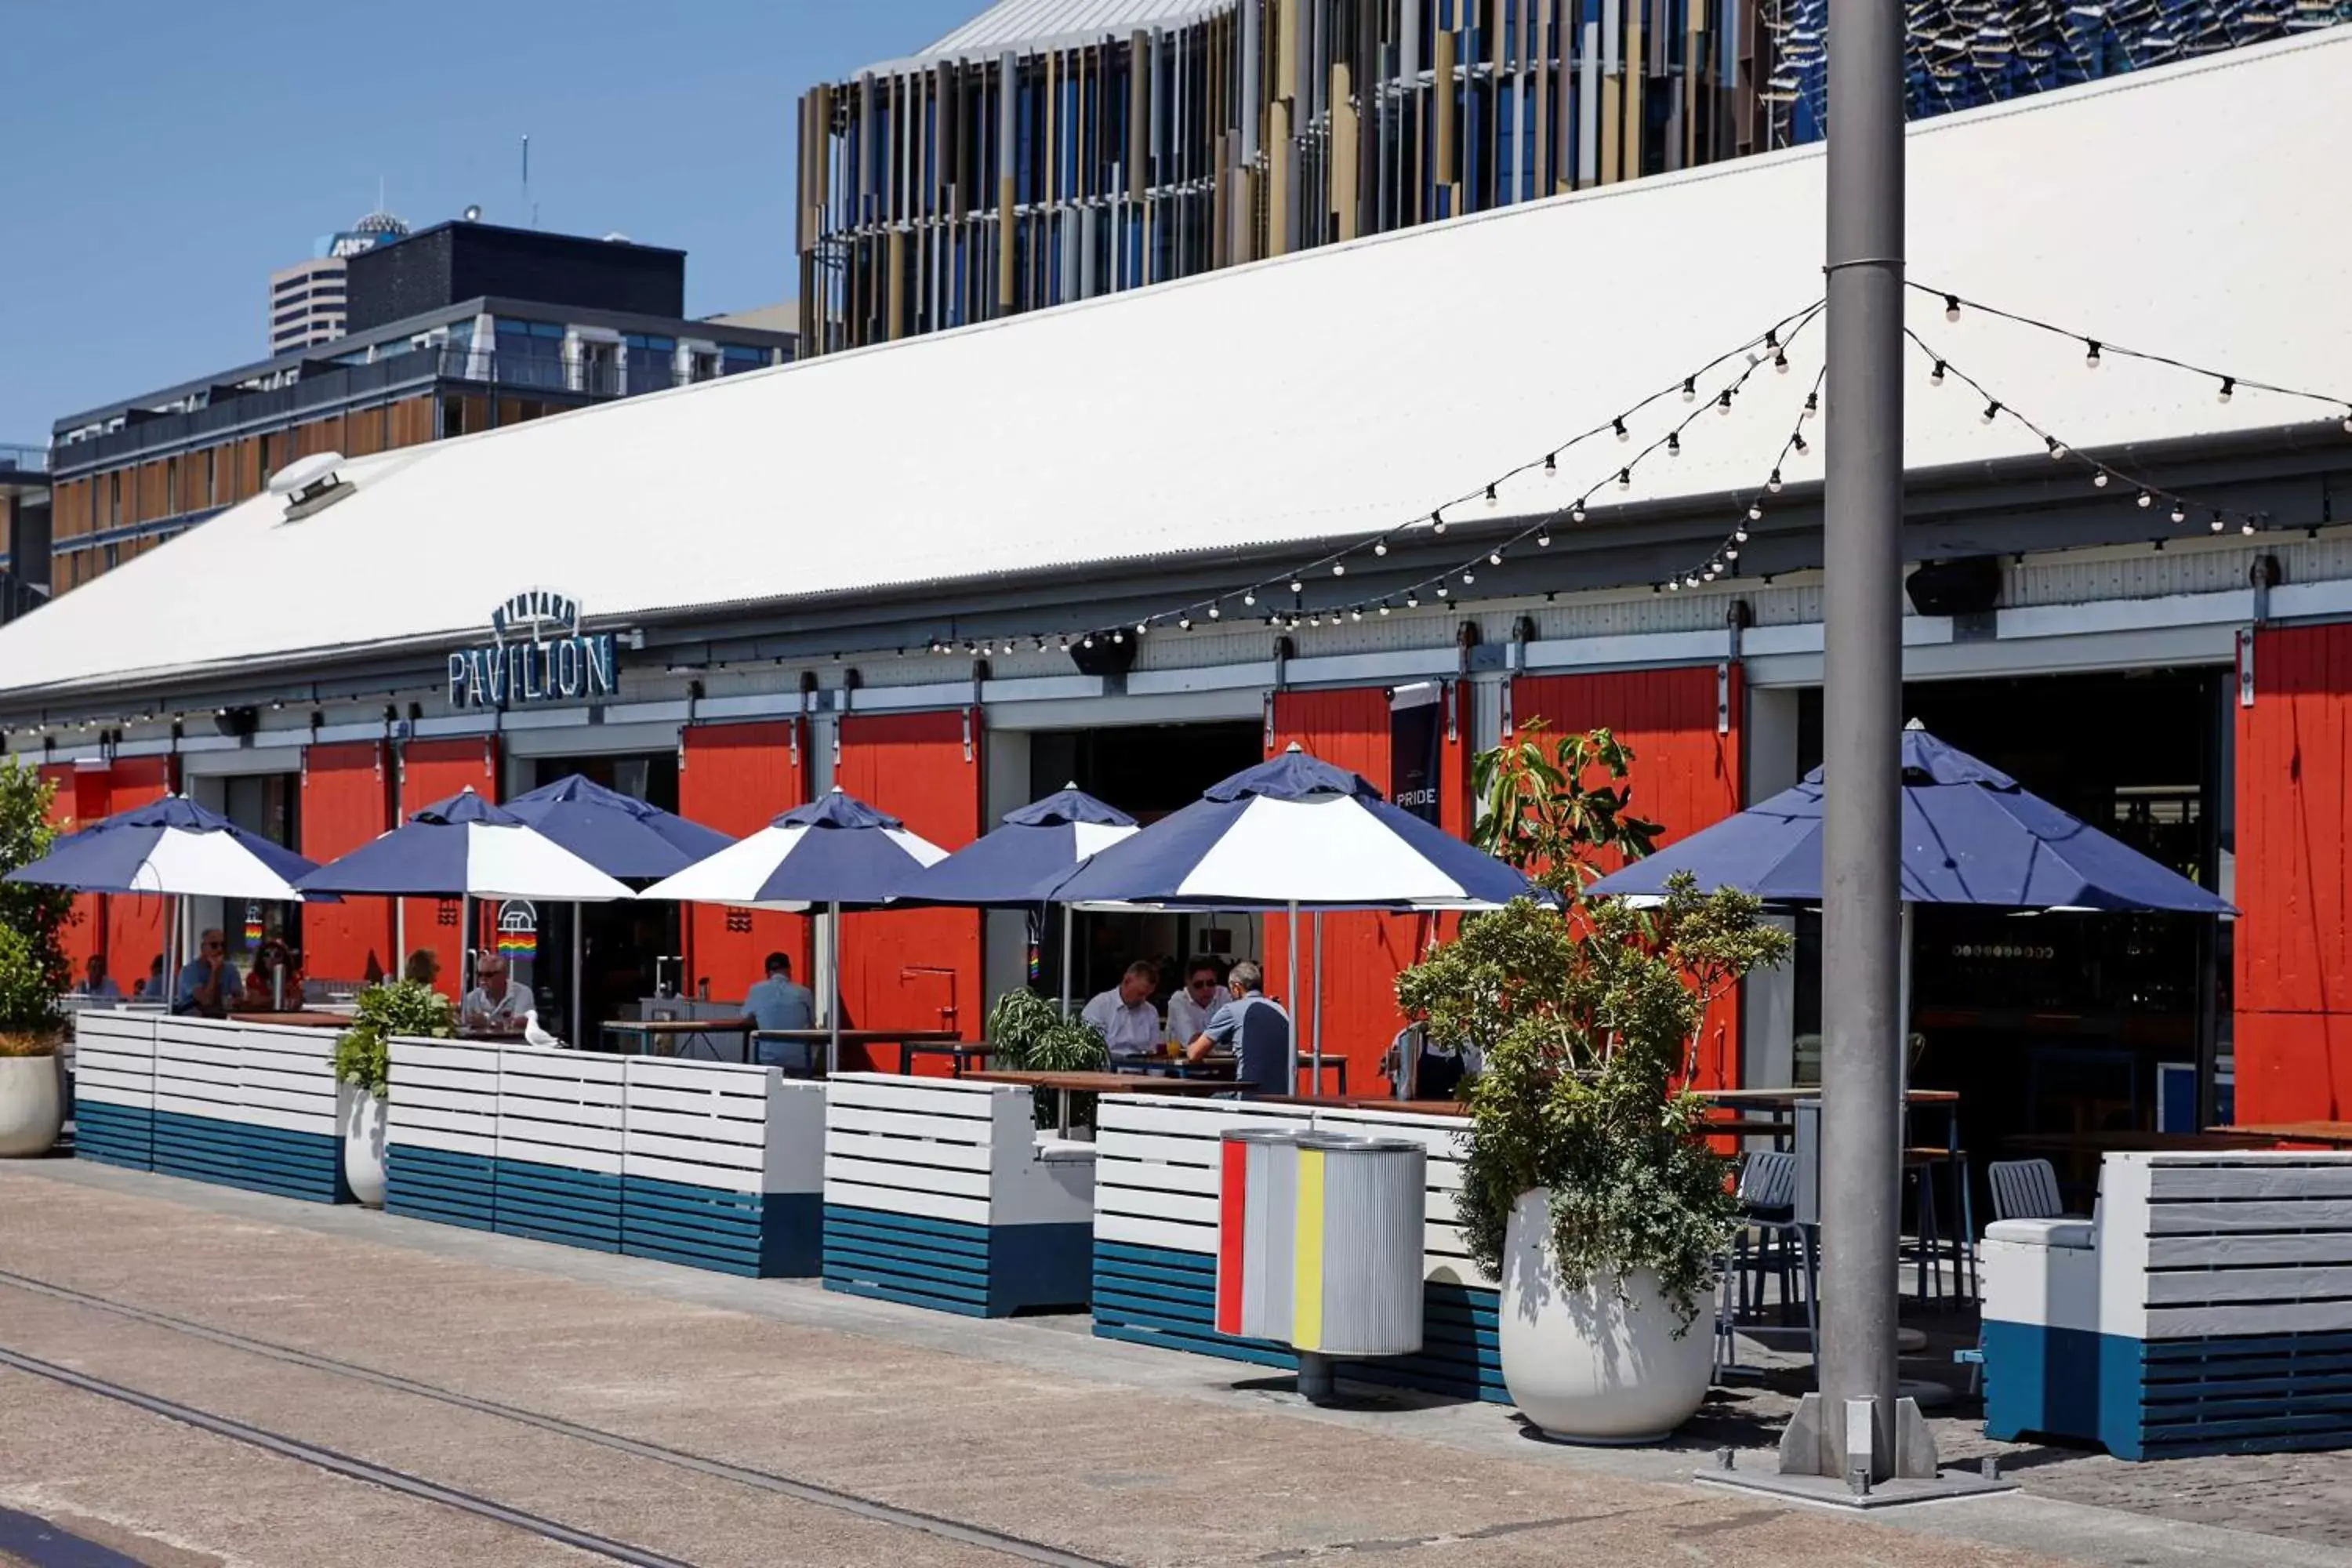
1320	1242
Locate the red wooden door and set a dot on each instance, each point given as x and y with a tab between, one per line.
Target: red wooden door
80	802
906	969
134	921
735	778
346	802
1353	980
1686	775
2294	976
433	770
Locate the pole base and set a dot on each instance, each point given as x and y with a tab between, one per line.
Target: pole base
1806	1444
1833	1490
1318	1378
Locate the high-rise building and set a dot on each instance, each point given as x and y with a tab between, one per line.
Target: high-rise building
308	300
1053	150
453	329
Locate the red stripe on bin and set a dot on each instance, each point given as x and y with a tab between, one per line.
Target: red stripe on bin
1233	1190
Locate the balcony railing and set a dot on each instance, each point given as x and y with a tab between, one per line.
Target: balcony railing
24	459
590	377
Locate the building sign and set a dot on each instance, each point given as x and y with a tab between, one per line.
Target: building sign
518	931
1416	732
540	656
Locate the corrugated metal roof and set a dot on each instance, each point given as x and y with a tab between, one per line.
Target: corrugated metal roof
1021	25
1327	395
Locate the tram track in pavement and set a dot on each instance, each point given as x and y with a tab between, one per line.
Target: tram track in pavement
871	1510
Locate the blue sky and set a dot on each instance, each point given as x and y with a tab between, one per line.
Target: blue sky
163	158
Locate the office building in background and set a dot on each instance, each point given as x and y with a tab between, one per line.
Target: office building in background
1054	149
455	329
306	300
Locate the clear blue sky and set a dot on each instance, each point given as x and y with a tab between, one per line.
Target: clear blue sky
163	158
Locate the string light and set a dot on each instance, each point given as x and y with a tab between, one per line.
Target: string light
1936	376
1951	307
1339	569
2229	385
1492	499
2091	354
1543	540
1552	465
1673	444
1381	548
1437	521
1625	435
1690	388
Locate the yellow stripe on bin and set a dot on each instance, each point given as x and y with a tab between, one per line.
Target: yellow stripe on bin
1306	1275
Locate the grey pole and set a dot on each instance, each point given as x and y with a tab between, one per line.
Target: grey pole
1862	709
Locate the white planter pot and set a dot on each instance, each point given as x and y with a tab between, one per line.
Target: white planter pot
361	1115
32	1105
1582	1364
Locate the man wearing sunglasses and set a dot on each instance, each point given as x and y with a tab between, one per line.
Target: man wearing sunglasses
1195	1002
209	983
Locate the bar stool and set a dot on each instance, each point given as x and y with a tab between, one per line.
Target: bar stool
1923	1162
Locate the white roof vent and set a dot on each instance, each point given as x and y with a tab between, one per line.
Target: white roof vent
310	484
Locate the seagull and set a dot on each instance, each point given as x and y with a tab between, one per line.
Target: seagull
532	1035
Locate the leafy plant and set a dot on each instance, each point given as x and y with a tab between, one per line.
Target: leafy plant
34	972
1587	1017
408	1008
1014	1025
29	1018
1068	1045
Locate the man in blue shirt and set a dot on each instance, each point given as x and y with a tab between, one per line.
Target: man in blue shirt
776	1003
209	983
1256	1031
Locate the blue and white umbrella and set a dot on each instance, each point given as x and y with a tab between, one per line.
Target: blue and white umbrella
171	846
834	850
1294	833
465	847
619	834
1020	864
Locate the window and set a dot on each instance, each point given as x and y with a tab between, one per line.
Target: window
113	499
653	360
739	358
170	487
113	556
212	479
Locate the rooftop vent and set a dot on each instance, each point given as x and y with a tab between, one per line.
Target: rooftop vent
310	484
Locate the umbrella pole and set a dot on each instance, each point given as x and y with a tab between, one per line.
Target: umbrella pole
1290	996
832	979
1317	1028
1066	918
579	962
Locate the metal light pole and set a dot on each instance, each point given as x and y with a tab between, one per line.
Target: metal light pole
1863	694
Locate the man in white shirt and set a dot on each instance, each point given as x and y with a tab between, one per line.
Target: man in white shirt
1130	1023
495	1005
1196	1001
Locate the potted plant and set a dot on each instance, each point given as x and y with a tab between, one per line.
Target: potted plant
1030	1034
33	971
1589	1190
409	1008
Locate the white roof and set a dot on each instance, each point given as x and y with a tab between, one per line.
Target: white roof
1023	25
1329	394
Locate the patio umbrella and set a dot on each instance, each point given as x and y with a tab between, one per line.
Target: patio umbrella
834	850
465	847
618	833
1294	833
1970	835
176	849
1020	864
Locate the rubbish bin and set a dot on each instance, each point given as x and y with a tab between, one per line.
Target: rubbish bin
1256	1220
1319	1246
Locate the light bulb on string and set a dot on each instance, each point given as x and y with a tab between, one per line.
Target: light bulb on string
1384	607
1797	440
1576	512
1297	586
1552	465
1992	412
1674	444
1141	627
2146	499
1494	558
2247	527
1212	612
2057	448
1543	540
1740	534
1780	363
1691	580
2100	479
1492	499
1441	590
1731	553
2229	385
1723	404
1412	601
1676	584
2347	421
1951	307
2216	524
1755	512
1618	425
2179	513
1249	597
1183	622
1437	521
1118	638
1339	569
1812	405
1089	641
1355	613
1690	388
1773	484
1936	376
1380	547
1468	577
1625	479
2091	354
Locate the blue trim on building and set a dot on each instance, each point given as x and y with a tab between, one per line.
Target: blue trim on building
974	1270
2158	1399
1158	1296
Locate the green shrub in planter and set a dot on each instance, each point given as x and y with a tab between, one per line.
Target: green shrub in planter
409	1008
34	972
1587	1017
1014	1025
30	1022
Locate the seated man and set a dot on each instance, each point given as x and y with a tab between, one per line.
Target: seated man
99	985
1255	1029
495	1005
1190	1010
209	986
1124	1015
777	1002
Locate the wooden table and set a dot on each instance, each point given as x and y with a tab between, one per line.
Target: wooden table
295	1020
1216	1063
1373	1102
2127	1139
2334	1135
902	1038
1786	1099
647	1031
1065	1084
960	1053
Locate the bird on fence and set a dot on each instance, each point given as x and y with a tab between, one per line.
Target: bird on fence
532	1035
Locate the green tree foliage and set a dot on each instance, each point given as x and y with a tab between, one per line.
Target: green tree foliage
1587	1017
36	914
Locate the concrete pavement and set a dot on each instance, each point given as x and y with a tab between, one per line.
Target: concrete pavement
1110	1452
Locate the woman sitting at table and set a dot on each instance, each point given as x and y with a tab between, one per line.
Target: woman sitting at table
260	989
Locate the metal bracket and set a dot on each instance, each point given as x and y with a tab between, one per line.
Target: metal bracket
2245	666
967	734
1509	727
1722	698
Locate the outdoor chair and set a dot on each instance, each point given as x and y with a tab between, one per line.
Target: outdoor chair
1782	1247
2025	1189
